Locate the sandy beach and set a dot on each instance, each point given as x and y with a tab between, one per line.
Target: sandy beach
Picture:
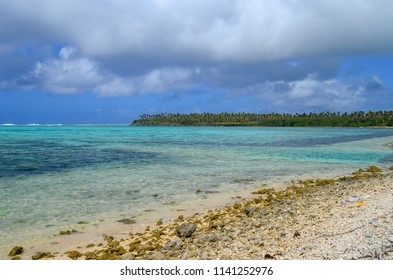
340	218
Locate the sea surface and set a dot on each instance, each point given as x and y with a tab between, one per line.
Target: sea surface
53	177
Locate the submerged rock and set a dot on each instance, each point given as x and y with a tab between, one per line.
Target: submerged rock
17	250
185	230
374	169
67	232
127	221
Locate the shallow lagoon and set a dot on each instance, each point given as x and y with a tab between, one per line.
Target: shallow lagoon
53	177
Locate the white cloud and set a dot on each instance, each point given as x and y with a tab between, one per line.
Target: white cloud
309	94
115	86
66	52
154	82
66	76
161	80
69	75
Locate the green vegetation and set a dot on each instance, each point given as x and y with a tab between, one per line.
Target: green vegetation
325	119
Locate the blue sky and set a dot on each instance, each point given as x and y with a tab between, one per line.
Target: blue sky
108	61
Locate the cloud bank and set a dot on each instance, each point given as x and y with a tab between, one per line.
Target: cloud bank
285	52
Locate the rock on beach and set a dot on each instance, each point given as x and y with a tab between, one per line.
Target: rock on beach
185	230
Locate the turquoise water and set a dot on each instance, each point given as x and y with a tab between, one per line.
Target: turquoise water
56	176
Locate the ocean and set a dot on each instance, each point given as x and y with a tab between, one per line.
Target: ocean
57	177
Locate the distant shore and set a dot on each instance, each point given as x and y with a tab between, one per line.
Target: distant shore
323	119
342	218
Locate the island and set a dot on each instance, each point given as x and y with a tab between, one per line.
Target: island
323	119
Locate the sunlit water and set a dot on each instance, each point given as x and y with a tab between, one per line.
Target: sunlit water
56	176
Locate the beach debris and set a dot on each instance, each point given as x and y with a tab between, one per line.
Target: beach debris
74	255
185	230
17	250
127	221
361	204
42	255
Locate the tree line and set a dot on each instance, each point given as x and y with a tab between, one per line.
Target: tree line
323	119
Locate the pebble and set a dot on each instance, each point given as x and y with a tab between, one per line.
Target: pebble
352	199
157	256
173	244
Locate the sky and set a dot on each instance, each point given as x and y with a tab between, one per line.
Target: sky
109	61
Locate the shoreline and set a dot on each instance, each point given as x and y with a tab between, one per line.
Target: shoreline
285	223
77	235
